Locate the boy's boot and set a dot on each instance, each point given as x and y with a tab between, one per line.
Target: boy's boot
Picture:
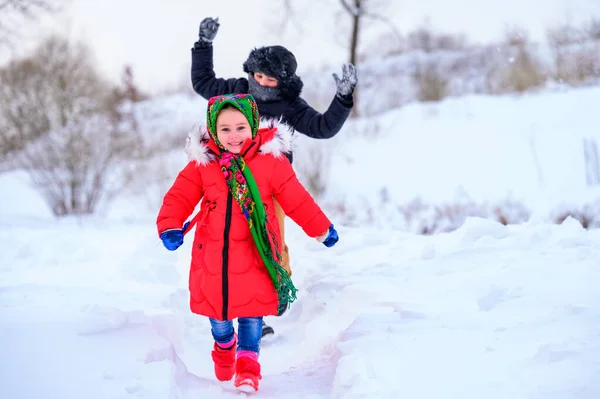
224	361
266	329
247	371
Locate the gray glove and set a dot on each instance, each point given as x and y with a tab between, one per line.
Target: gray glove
345	86
208	30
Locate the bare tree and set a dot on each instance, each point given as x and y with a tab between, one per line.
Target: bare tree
355	8
21	98
121	104
58	113
359	11
43	92
15	12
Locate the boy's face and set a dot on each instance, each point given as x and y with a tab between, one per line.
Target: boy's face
233	129
265	80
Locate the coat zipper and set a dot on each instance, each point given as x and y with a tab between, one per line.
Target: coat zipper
225	255
225	268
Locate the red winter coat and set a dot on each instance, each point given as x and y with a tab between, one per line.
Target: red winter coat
228	278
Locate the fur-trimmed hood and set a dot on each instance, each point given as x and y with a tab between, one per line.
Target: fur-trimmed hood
276	138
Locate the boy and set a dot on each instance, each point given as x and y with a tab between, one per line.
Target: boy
273	83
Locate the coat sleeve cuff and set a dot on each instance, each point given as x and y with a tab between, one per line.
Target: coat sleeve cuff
347	100
200	45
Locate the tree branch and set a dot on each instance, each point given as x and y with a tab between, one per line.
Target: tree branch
386	21
287	19
353	11
14	11
28	7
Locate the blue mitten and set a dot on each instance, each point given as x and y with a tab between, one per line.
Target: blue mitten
332	237
173	238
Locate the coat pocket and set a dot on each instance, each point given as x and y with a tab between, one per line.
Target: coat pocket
199	249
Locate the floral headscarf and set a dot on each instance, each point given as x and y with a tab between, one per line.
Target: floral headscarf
244	103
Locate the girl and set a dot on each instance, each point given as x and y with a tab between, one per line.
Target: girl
237	170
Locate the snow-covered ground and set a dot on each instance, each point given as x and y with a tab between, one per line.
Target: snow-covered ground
530	147
96	309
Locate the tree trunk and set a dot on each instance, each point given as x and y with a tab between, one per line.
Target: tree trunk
353	48
355	28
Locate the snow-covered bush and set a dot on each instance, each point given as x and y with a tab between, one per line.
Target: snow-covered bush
588	214
75	167
431	66
575	53
64	124
422	217
311	163
428	218
520	71
430	81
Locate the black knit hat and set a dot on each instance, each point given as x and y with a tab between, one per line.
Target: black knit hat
278	62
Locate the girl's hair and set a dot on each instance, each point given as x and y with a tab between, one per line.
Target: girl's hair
228	106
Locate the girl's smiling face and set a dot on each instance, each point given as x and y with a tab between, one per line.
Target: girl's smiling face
233	129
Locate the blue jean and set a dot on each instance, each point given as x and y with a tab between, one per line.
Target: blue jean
249	332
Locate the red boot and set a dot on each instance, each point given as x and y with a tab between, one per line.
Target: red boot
224	361
247	374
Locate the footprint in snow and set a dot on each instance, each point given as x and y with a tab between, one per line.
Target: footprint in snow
495	297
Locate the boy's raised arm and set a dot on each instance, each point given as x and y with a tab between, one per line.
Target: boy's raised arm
306	120
204	80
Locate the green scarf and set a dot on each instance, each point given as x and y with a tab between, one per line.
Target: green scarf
245	192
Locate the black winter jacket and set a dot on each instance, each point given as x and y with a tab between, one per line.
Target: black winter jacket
296	113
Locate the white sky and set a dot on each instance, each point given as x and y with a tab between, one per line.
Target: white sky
155	36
